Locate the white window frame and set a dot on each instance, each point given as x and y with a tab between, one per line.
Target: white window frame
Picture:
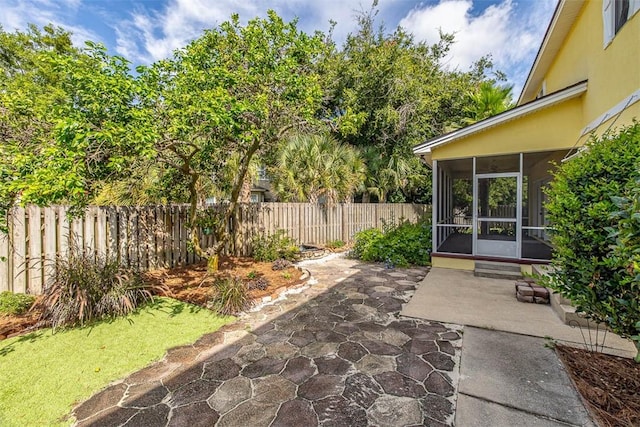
609	18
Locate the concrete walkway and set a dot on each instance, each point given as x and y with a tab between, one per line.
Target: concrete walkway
508	374
335	354
458	297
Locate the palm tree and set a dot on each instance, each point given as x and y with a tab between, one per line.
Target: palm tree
385	173
489	100
310	167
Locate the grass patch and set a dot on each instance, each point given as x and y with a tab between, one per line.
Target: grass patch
44	374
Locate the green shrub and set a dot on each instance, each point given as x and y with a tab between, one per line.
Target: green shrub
230	296
335	244
593	209
11	303
399	245
85	288
271	247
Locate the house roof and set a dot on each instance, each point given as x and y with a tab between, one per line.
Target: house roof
549	100
565	15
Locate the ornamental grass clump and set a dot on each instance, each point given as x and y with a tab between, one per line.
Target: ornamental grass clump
230	296
593	208
85	288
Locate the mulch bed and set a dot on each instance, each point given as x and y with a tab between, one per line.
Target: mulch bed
190	284
610	385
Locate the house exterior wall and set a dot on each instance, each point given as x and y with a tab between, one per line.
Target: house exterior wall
553	128
613	72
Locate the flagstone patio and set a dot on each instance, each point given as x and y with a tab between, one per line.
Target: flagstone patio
335	354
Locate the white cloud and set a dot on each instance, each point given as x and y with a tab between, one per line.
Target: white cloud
17	14
149	36
509	32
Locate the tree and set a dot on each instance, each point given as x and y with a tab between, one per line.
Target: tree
488	100
68	120
592	208
310	167
387	93
234	93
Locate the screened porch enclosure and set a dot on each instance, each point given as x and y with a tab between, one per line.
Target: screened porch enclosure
493	206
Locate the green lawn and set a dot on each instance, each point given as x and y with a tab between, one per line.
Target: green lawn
42	374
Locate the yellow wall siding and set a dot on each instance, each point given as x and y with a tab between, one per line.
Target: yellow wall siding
452	263
552	128
613	72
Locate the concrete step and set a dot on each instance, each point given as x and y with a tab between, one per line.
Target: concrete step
497	274
567	313
498	266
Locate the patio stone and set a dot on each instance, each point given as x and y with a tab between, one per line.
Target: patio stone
221	370
352	351
273	390
105	399
374	364
196	391
230	393
249	413
294	413
195	415
153	416
332	365
337	411
399	385
437	407
263	367
361	389
321	386
336	354
299	369
439	361
413	367
142	395
437	384
395	411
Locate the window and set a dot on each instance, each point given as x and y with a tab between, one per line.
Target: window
615	13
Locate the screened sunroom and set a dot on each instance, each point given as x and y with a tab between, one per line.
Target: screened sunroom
493	206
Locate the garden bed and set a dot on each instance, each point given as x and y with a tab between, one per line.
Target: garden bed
609	385
190	284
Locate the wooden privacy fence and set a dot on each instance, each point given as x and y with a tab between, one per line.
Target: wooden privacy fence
152	237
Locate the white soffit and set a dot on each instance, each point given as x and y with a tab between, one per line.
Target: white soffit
565	15
515	113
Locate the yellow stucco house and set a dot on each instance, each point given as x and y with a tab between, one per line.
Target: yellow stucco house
488	178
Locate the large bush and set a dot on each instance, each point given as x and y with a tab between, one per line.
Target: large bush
593	211
401	244
270	247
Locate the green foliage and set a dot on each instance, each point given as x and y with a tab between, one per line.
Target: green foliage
252	274
11	303
230	296
270	247
313	166
401	244
488	100
72	365
335	244
85	288
593	209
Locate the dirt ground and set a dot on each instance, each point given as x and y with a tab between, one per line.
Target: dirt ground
610	385
192	284
189	283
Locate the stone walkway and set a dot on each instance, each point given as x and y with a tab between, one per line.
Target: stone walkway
335	354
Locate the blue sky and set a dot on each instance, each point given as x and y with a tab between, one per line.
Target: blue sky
146	30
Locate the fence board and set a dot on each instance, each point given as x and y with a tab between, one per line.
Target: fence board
34	257
157	236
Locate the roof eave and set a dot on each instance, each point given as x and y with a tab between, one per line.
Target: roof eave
515	113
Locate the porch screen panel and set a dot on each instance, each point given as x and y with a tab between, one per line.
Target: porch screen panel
453	225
